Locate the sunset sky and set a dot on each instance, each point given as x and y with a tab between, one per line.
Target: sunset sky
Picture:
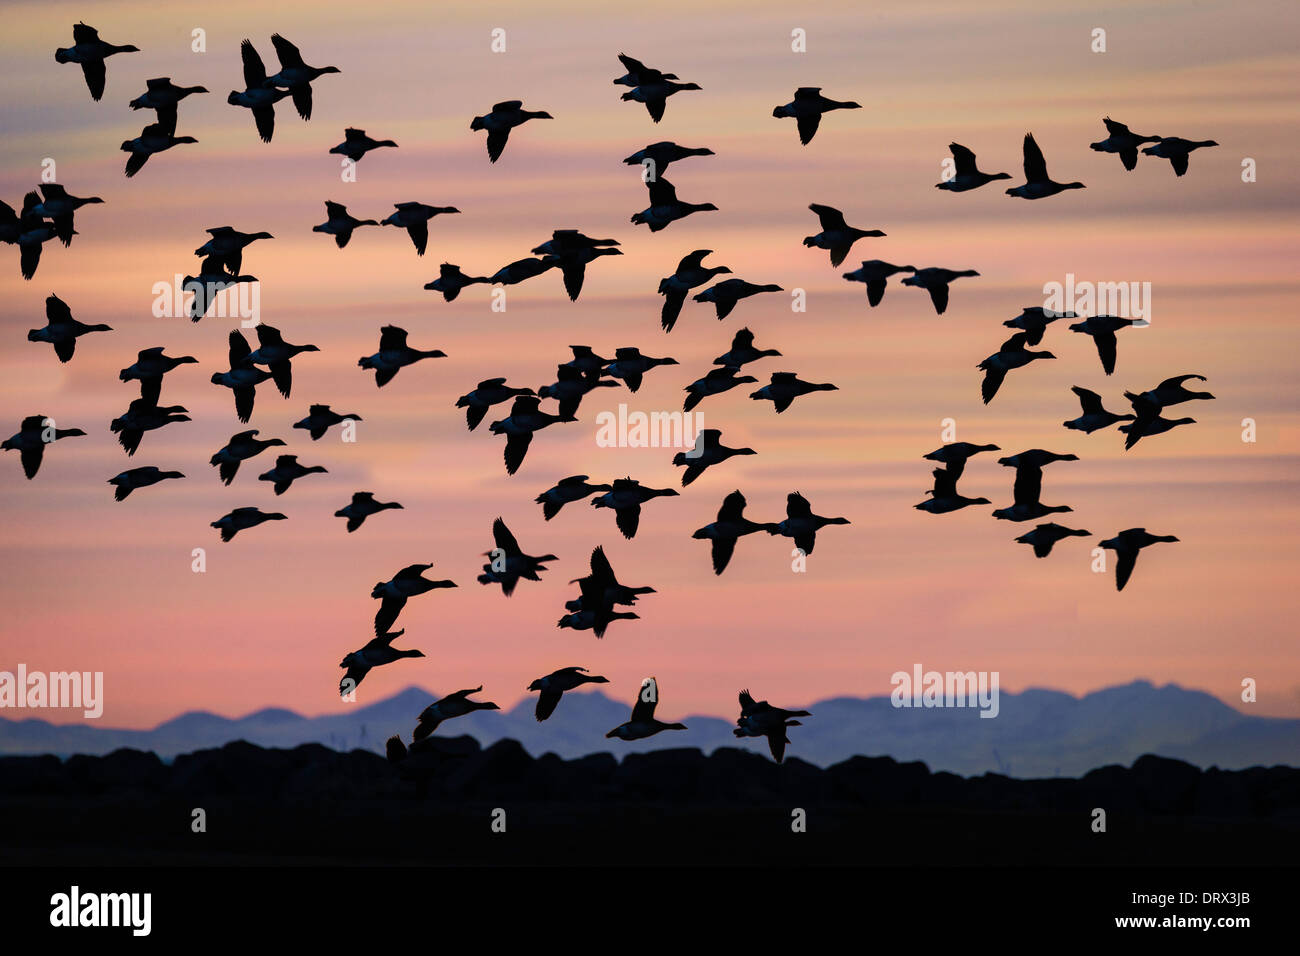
91	584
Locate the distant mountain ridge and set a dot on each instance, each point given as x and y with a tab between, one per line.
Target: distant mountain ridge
1038	733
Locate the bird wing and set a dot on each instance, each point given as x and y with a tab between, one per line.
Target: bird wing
722	550
391	337
264	119
239	349
286	51
939	296
1089	401
302	100
496	143
628	518
386	616
1125	561
1035	165
516	448
601	570
963	158
504	539
1106	346
797	506
94	73
993	377
419	232
832	220
254	70
808	123
644	710
733	507
546	703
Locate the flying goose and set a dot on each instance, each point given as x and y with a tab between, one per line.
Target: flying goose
507	562
489	392
525	418
295	75
274	352
1038	185
241	519
501	120
320	418
61	329
522	269
654	93
663	154
589	614
607	587
153	139
715	382
377	652
287	471
967	174
725	294
935	281
566	491
392	594
954	455
1010	355
1094	415
90	51
414	218
58	205
1124	141
630	365
742	351
801	524
643	723
566	242
571	386
1172	391
836	235
1044	536
394	355
34	433
554	684
761	719
242	378
227	245
638	72
875	274
807	108
944	497
730	525
212	279
133	478
785	387
1102	328
257	95
356	144
708	451
162	96
451	706
1033	320
665	208
690	273
625	498
1176	150
241	447
451	280
363	505
339	224
1028	486
144	415
1149	421
1126	546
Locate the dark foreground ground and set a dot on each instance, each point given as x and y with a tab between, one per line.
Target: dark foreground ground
313	805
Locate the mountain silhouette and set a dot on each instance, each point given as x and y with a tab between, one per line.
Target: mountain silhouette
1037	733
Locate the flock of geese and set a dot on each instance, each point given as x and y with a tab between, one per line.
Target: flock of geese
601	598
